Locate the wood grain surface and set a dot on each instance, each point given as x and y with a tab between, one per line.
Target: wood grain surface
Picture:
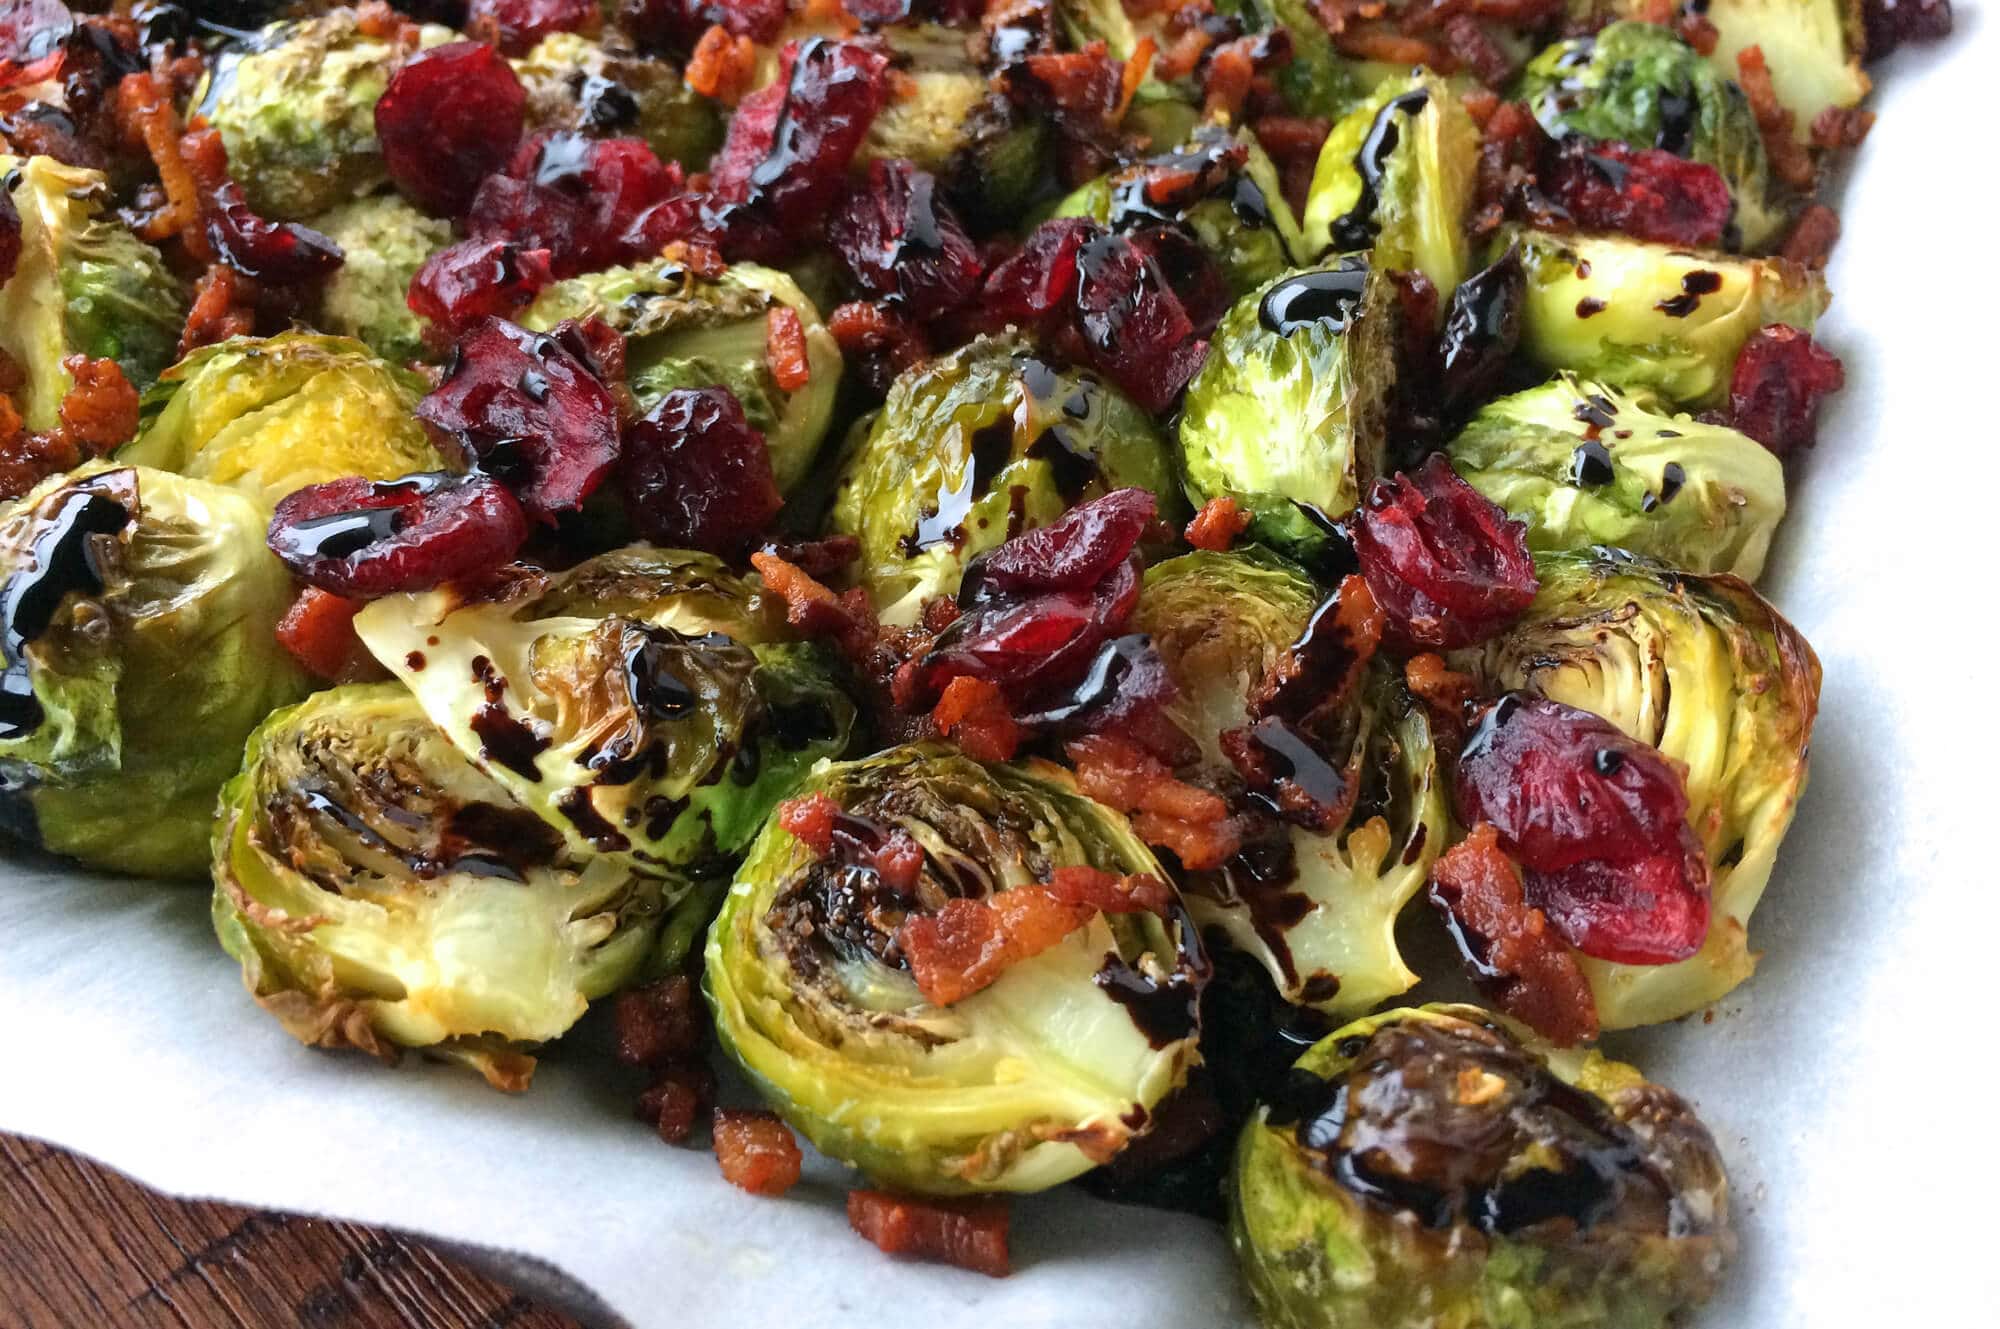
82	1247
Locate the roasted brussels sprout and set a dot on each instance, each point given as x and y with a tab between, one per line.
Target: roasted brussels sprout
381	892
1318	910
82	285
1396	177
139	610
1426	1168
976	446
386	240
1585	464
1646	315
1709	673
573	82
683	331
1640	84
270	415
946	88
295	105
1318	80
1813	49
639	703
1017	1087
1289	413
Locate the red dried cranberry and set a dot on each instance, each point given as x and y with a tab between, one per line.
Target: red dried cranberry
673	27
1027	645
575	197
530	412
1562	786
449	118
697	475
476	279
1445	564
1190	273
901	242
1646	193
1481	330
368	538
1775	390
1653	910
1075	551
1040	278
1124	690
532	217
1890	23
276	253
1136	330
521	23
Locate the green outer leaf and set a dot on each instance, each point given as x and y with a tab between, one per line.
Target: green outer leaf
386	240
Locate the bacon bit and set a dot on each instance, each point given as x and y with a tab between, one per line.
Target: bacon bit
656	1022
220	310
1133	75
1812	237
1322	667
785	348
1293	143
969	1234
1513	147
900	862
206	157
881	341
809	820
1838	127
756	1151
1515	954
318	632
1696	30
1480	104
974	711
1227	77
1109	893
674	1102
1391	47
722	66
101	408
964	947
1191	821
146	116
1790	162
701	259
1217	525
376	19
1182	57
812	608
1445	694
819	558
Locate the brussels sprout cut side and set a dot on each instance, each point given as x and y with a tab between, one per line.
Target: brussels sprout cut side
1426	1167
1017	1087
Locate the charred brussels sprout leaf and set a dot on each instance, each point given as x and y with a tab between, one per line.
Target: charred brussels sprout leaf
82	285
1291	406
1424	1167
140	610
381	892
1584	464
976	446
573	82
1317	910
386	240
1643	315
1706	671
1018	1087
686	332
270	415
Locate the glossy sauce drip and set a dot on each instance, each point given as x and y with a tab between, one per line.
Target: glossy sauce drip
1328	296
1298	764
1260	877
1165	1010
603	105
605	838
502	738
1590	465
1100	685
1673	477
336	535
992	449
60	562
1694	286
1358	229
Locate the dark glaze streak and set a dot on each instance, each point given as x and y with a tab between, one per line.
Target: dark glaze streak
1165	1010
1673	477
502	738
590	824
1358	229
1328	297
1694	285
992	447
1589	307
1590	465
60	560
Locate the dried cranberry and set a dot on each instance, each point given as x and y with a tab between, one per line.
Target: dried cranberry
1028	645
476	279
449	117
697	475
1445	564
276	253
1775	390
1040	278
519	24
1646	193
573	196
1190	273
1890	23
532	217
674	26
530	412
901	242
1653	910
1123	690
368	538
1136	330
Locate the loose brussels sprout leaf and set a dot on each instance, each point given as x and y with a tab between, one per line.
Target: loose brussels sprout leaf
1396	177
1706	671
573	82
1640	84
1813	49
1018	1087
295	106
977	446
635	703
386	240
380	892
1426	1167
1291	406
1584	464
1243	223
686	332
1645	315
139	614
270	415
83	285
1327	933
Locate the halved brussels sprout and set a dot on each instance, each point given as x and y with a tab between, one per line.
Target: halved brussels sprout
82	285
996	177
270	415
1243	222
1018	1087
1639	83
386	240
574	82
683	331
1318	911
946	88
1428	1167
1291	406
1396	177
139	611
1584	464
381	892
1813	49
974	447
1646	315
1709	673
637	703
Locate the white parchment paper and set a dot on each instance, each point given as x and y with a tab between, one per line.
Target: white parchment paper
1850	1083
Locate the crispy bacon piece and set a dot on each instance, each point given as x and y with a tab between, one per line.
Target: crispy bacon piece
1790	161
756	1151
675	1101
1191	821
1838	127
1109	893
318	632
221	309
1326	662
99	412
974	713
785	348
146	115
656	1022
809	820
1811	240
1218	524
970	1234
723	66
964	947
